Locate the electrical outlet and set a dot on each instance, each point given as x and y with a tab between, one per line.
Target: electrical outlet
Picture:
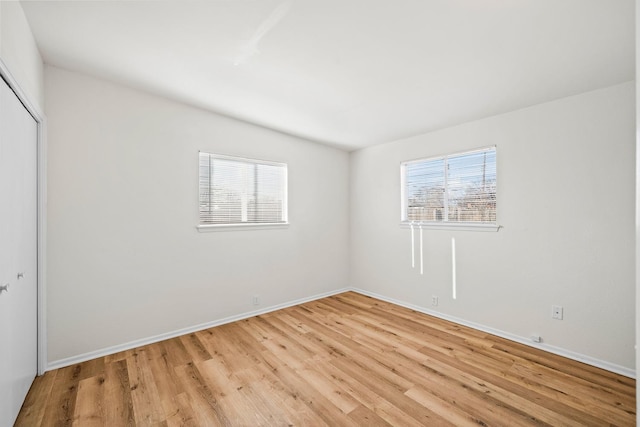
536	338
434	301
256	300
557	312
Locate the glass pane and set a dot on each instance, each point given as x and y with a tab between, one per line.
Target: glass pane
425	190
270	194
471	185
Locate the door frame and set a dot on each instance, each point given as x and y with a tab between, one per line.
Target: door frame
41	148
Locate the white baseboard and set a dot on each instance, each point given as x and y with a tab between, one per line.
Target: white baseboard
627	372
61	363
612	367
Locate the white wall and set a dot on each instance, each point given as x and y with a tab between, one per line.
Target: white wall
566	202
125	261
19	51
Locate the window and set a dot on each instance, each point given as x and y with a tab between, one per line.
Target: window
236	191
454	189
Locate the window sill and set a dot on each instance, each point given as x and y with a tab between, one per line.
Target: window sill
464	226
237	227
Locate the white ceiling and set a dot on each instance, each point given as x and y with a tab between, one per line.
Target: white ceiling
350	73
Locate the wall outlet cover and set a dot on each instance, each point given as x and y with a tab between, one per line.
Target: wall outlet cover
557	312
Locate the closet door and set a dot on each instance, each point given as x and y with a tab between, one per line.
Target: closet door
18	254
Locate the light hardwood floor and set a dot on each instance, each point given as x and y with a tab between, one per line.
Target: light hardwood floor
346	360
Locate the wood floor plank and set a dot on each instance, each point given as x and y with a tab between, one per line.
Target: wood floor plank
447	387
588	398
345	360
194	347
260	409
344	346
170	392
176	352
288	399
408	368
89	409
272	363
147	405
368	398
117	395
203	401
34	406
282	326
329	389
383	387
445	409
554	361
291	352
363	416
516	394
310	395
185	416
61	401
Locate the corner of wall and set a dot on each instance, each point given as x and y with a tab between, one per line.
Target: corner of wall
20	53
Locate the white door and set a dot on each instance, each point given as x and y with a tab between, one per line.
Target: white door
18	254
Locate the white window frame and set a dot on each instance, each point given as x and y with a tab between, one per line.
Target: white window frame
444	224
247	225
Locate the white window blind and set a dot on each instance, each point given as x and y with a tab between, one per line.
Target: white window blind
458	188
235	191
